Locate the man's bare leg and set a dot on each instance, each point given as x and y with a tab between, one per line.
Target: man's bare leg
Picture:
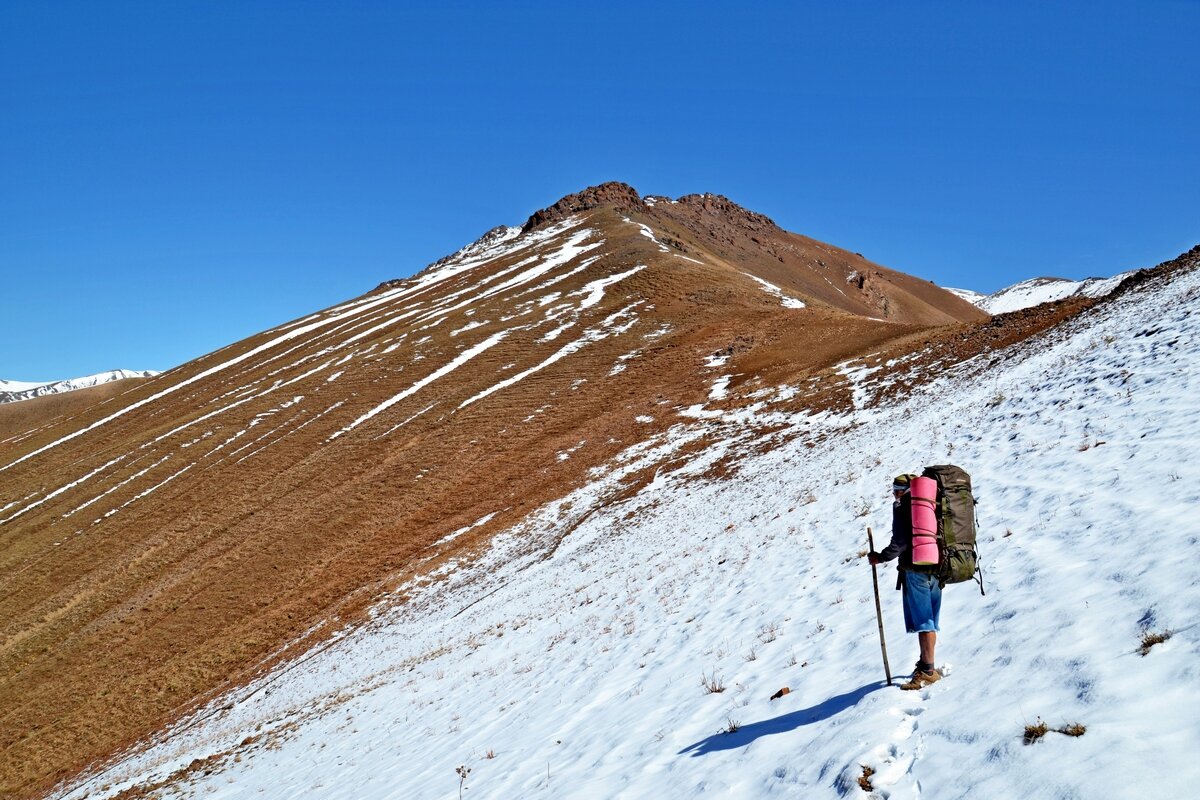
928	641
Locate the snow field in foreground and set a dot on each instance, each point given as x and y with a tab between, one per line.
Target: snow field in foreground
579	668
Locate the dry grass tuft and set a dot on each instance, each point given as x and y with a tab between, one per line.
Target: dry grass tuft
463	771
1034	733
864	780
1151	638
731	725
712	684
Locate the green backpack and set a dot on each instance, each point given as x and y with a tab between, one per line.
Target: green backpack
958	555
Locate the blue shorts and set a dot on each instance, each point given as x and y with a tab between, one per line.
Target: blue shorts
922	602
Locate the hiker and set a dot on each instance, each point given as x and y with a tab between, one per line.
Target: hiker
922	591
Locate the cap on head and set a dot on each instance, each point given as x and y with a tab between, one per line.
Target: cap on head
901	483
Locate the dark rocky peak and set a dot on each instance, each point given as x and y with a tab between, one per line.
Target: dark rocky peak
620	195
701	212
716	205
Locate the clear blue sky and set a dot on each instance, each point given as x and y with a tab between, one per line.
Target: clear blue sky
175	176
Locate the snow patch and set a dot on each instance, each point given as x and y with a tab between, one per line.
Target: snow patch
772	289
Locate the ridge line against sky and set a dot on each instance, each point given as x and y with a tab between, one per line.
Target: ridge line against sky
177	177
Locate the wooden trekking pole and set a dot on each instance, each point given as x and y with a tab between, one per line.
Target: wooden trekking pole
878	609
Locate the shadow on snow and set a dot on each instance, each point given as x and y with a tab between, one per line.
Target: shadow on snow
781	724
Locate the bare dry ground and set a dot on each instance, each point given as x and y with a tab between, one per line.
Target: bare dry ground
189	531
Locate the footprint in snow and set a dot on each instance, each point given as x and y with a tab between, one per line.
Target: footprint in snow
894	761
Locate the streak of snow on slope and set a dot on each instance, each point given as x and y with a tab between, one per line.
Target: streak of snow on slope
720	388
772	289
559	278
649	234
570	250
349	311
485	519
487	246
405	421
63	488
472	325
116	486
149	491
621	363
258	418
717	360
613	325
473	256
294	333
583	654
298	428
445	369
275	386
593	292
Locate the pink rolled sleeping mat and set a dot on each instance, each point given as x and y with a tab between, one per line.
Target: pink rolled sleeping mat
924	520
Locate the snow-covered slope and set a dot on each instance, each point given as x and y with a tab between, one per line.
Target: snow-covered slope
570	661
975	298
11	391
1039	290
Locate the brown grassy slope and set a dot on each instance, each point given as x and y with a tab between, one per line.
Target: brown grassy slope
169	551
23	416
825	274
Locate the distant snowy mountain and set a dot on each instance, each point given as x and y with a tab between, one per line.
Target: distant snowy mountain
1036	291
12	391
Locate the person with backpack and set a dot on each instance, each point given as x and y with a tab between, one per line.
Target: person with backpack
919	583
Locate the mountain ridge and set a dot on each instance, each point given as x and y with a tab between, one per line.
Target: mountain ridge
15	391
1035	291
727	231
185	536
576	639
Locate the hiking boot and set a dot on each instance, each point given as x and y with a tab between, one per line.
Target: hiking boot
922	678
920	667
